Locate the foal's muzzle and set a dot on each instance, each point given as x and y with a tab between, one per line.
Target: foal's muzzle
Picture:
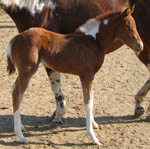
139	48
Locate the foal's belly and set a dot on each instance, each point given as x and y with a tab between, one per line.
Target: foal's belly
74	64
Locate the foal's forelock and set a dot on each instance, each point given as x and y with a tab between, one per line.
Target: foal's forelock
33	6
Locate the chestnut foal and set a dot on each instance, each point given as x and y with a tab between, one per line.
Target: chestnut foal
79	54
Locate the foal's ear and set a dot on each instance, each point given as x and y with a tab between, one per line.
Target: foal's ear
126	12
132	5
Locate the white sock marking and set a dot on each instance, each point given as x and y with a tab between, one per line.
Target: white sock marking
106	21
17	126
89	120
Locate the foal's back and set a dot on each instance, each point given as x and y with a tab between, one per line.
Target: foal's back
64	53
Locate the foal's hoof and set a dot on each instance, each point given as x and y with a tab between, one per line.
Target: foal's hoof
138	112
96	142
23	140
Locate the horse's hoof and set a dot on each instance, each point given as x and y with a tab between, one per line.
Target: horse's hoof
53	116
55	120
147	119
138	112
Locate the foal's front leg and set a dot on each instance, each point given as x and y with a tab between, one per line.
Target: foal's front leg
55	81
87	87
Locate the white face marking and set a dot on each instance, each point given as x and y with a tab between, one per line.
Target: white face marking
106	21
32	5
91	27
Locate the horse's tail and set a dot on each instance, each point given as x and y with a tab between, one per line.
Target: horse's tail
10	64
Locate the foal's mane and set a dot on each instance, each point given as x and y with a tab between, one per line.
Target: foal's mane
109	14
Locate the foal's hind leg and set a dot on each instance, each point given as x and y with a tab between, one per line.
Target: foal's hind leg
17	95
60	101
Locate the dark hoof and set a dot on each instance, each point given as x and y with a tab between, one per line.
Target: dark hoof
138	112
147	119
55	120
53	116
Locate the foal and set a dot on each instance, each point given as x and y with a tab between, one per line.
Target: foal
79	54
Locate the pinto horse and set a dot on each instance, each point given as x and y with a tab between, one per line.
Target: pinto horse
78	54
54	15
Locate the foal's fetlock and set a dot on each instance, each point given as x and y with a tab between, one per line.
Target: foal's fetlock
138	111
21	137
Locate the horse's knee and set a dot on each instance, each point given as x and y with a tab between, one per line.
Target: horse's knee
61	105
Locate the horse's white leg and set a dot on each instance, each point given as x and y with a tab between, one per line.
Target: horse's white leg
60	101
88	100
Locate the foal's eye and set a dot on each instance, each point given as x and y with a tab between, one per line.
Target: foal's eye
129	26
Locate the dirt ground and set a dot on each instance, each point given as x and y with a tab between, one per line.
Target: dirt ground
115	86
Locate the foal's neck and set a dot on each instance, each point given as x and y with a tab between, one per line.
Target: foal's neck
107	34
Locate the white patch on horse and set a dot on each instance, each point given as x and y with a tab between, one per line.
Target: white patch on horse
105	21
91	27
33	6
8	50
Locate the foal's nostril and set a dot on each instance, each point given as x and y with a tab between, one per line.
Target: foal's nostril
139	47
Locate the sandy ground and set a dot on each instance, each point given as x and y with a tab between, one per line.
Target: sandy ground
115	86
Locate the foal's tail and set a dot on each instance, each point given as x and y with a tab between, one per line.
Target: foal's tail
10	65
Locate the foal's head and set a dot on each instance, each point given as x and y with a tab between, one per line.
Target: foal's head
121	25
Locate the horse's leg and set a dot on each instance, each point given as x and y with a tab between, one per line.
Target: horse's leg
139	110
148	113
55	81
18	91
86	81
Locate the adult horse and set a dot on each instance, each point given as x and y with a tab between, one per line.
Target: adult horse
62	16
